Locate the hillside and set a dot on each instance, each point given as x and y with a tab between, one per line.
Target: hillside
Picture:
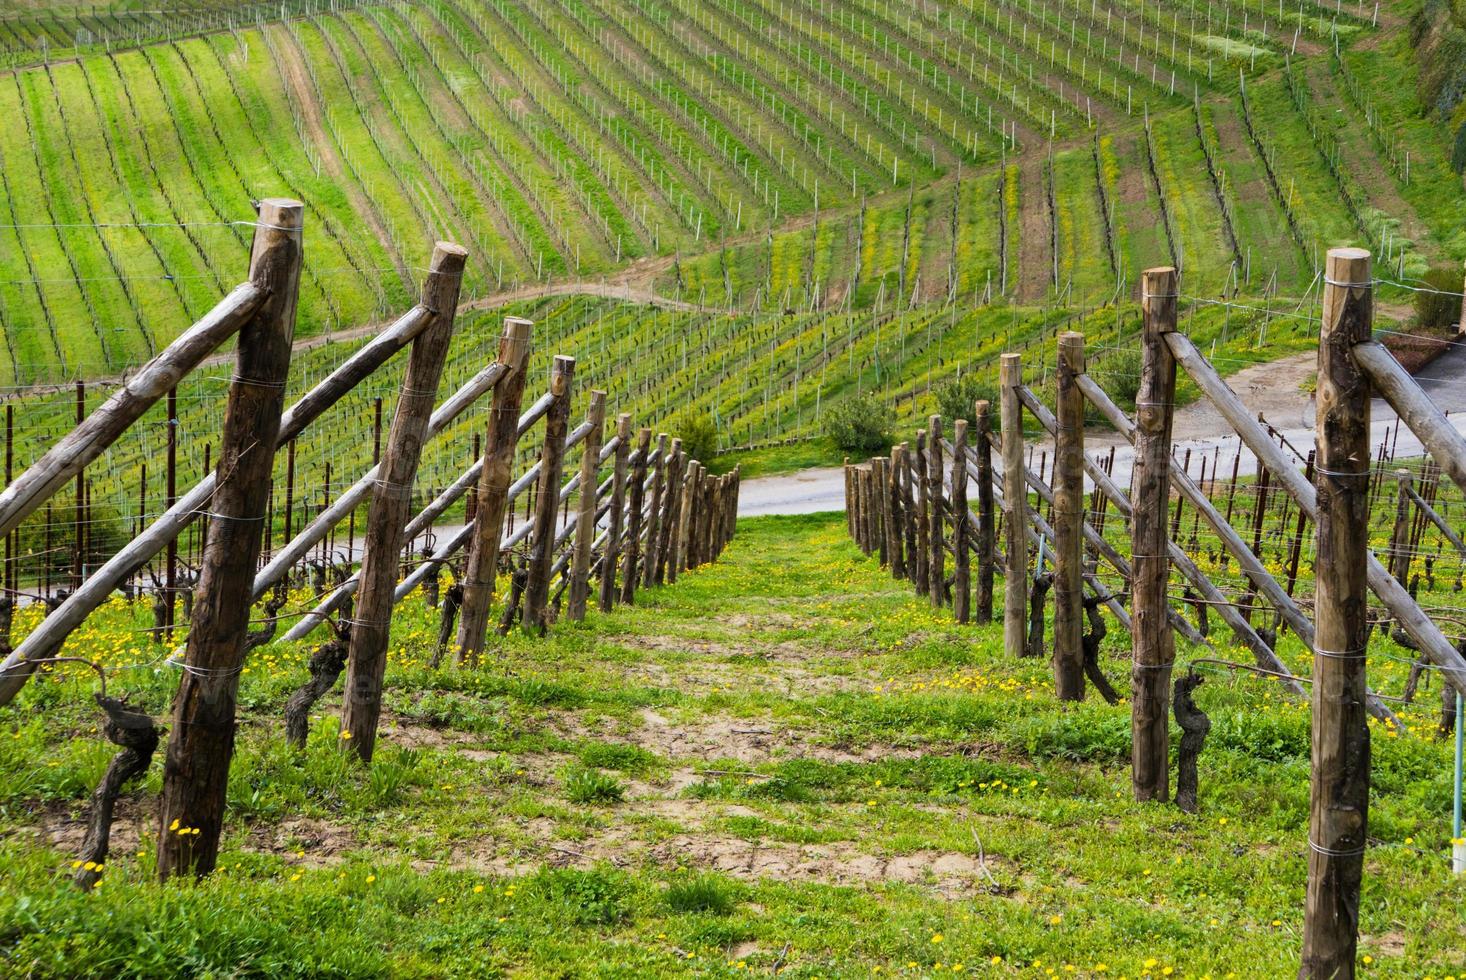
743	153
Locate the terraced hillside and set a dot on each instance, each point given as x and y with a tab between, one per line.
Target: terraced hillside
738	153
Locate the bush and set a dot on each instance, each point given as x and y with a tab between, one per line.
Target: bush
1436	310
587	898
699	437
1120	375
859	424
956	399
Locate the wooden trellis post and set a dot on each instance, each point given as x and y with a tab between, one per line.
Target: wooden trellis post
880	512
611	557
895	534
585	521
201	738
961	553
1153	644
654	512
631	574
547	503
391	504
1015	495
936	566
986	537
1400	537
1068	516
921	515
502	439
1339	790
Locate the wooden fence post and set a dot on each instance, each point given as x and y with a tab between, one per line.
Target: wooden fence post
881	510
1153	644
1339	790
201	737
585	521
961	555
986	536
482	562
391	504
547	504
671	510
1068	514
1015	496
895	536
631	574
936	568
923	515
611	557
653	551
1400	537
908	515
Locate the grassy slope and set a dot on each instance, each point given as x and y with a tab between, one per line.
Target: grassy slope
808	753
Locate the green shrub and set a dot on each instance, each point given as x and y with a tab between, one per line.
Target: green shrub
586	898
1439	310
956	399
700	893
859	424
699	437
590	786
1120	375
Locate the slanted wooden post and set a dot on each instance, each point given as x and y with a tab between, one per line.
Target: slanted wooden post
654	511
986	533
1339	785
895	529
482	562
611	557
936	565
547	503
1015	497
391	504
1068	518
1153	645
961	536
631	574
585	519
1400	538
201	738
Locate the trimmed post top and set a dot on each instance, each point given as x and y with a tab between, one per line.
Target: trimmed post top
515	342
595	412
281	213
1071	351
623	426
1010	370
1348	268
561	371
448	257
1404	476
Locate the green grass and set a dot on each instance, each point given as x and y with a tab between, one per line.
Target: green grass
812	758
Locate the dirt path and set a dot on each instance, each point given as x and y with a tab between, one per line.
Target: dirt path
297	80
1035	247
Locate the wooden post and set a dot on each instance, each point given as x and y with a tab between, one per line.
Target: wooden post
170	570
611	558
201	738
908	515
895	534
961	554
1068	515
936	565
654	511
391	503
986	533
585	521
923	515
1400	537
684	535
631	575
547	502
1015	496
671	510
1152	643
880	512
501	440
1339	787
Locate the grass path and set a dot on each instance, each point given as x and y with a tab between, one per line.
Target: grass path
784	762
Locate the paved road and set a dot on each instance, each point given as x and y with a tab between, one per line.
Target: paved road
1444	380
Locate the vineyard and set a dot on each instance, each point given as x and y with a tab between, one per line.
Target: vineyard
381	381
747	154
